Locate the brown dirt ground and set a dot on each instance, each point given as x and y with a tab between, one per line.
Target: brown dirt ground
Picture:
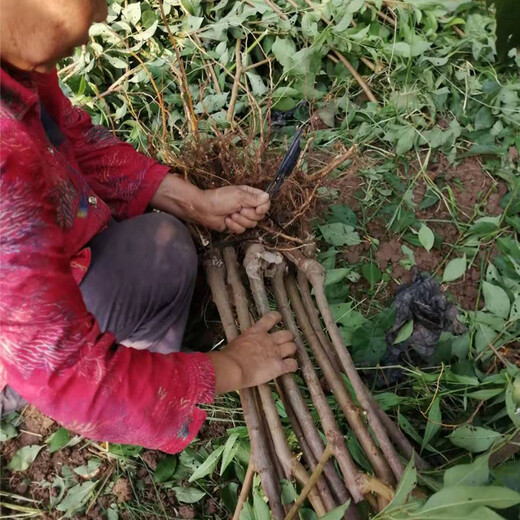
30	483
472	188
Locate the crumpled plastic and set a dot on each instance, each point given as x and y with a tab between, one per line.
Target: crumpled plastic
424	302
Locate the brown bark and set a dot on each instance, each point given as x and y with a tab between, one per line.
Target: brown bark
322	485
392	429
315	273
337	385
258	435
290	464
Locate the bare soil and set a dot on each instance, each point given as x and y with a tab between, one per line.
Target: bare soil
473	189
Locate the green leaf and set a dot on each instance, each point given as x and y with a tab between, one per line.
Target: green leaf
337	513
191	6
406	141
132	13
257	84
339	234
188	495
7	431
404	332
58	440
455	269
24	457
342	213
77	496
484	119
230	449
474	438
260	507
211	103
406	486
473	474
426	237
125	450
434	422
371	272
229	496
507	475
116	62
496	299
284	49
368	345
333	276
247	512
515	309
208	466
165	469
112	513
289	494
88	470
513	407
451	498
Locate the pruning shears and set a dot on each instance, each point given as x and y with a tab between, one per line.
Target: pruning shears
287	165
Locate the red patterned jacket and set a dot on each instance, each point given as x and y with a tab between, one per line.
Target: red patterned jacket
57	190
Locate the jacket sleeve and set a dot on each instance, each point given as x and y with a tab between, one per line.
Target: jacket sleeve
124	178
51	349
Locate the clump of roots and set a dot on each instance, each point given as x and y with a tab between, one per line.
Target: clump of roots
235	159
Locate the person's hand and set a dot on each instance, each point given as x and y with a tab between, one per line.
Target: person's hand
255	357
233	208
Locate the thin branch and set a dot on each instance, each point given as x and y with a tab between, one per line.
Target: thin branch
309	456
244	492
392	429
290	464
187	100
312	482
255	256
362	83
236	82
333	378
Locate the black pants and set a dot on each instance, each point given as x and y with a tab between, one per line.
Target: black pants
140	281
139	285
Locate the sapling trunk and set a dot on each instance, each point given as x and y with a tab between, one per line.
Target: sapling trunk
290	464
315	273
392	429
308	455
337	385
258	435
290	391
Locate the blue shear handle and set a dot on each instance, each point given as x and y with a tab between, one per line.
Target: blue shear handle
287	165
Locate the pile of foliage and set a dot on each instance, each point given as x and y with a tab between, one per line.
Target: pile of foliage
420	89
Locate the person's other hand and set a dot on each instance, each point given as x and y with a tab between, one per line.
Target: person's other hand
254	357
235	208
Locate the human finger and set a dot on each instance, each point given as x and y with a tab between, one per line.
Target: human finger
289	365
282	336
251	214
233	226
252	197
287	349
266	323
243	221
262	209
